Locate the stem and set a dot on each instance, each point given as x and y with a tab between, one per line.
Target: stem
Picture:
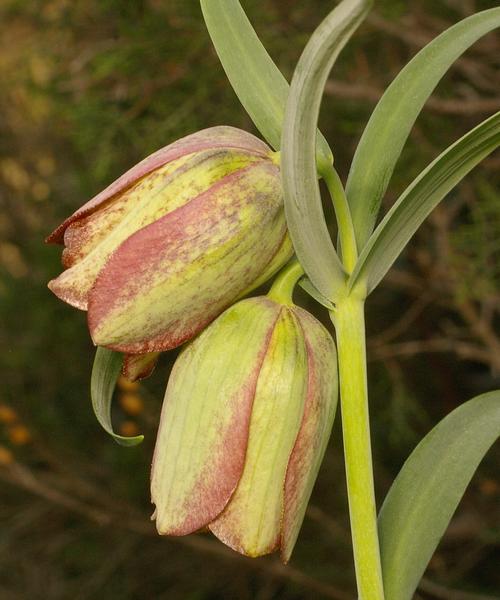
343	216
284	284
349	323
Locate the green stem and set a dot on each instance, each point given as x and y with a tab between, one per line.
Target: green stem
343	216
284	284
349	322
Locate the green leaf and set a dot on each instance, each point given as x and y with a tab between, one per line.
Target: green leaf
304	211
255	78
418	200
427	490
307	286
105	372
391	121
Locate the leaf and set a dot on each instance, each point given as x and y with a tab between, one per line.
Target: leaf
307	286
255	78
304	212
427	490
418	200
395	114
107	366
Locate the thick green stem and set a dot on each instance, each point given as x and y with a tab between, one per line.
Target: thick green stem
349	323
285	282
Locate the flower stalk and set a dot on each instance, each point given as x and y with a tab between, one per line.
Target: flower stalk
284	284
349	322
347	236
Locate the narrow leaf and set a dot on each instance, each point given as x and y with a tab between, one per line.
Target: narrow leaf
255	78
307	286
418	200
391	121
304	212
427	490
107	366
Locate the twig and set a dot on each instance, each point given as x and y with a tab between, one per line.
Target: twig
448	106
337	532
402	324
410	33
440	591
464	350
18	474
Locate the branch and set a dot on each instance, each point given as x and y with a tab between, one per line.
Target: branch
21	476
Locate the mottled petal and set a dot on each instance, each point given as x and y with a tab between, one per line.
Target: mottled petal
251	522
319	413
139	366
202	438
161	192
281	257
211	138
168	280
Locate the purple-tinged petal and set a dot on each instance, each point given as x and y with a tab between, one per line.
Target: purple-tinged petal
314	433
211	138
202	438
161	192
168	280
139	366
251	522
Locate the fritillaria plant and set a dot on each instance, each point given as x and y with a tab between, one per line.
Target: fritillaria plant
184	235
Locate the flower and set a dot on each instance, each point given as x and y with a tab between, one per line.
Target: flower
169	245
246	418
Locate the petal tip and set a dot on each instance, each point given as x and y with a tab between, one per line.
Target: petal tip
67	294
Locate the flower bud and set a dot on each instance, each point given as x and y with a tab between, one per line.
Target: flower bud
246	419
164	249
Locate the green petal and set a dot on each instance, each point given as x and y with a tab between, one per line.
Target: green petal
251	523
202	439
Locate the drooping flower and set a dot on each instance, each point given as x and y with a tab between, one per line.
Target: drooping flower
175	240
246	418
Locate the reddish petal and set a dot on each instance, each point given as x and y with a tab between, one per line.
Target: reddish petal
203	433
314	433
251	522
94	238
213	137
171	278
139	366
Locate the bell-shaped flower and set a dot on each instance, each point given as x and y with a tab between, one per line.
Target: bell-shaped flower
175	240
245	422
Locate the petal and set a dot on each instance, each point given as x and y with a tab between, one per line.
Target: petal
251	522
319	413
281	257
167	281
139	366
211	138
202	438
160	192
82	236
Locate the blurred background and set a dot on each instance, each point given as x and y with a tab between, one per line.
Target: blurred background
88	89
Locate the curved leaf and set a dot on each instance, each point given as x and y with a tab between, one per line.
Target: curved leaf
427	490
304	212
418	200
396	112
107	366
255	78
307	286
